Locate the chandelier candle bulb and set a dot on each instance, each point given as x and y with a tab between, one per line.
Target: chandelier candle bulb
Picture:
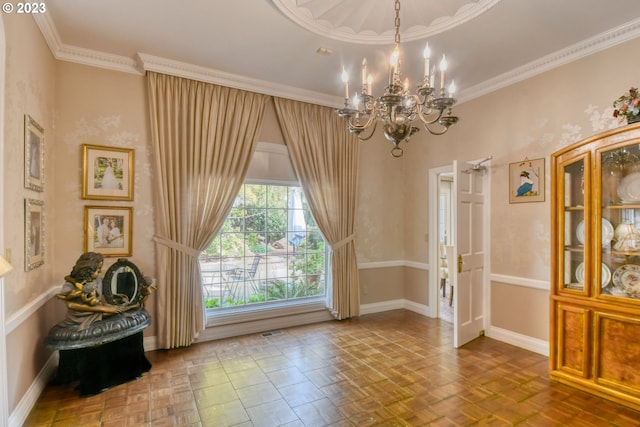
394	65
443	68
370	84
427	55
452	88
345	80
364	73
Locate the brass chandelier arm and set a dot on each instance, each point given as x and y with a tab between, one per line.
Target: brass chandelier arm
425	117
432	132
445	122
354	122
366	138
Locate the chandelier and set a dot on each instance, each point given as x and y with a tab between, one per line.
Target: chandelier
397	109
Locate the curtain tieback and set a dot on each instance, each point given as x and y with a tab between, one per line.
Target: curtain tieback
177	246
343	242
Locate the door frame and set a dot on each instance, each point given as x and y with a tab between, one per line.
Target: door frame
434	259
433	197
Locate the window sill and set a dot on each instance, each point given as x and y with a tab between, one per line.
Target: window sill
234	315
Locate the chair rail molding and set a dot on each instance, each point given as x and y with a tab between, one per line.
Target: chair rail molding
544	285
28	310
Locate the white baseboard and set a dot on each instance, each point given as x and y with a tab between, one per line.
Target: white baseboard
26	404
524	341
397	304
378	307
417	308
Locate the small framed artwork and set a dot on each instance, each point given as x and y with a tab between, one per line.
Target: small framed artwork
33	154
108	230
33	234
107	173
526	181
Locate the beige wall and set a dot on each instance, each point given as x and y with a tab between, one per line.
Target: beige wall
520	309
29	89
381	284
531	120
106	108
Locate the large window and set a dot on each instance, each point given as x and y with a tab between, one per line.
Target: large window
269	250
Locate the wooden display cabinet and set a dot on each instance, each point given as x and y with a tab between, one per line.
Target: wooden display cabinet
595	252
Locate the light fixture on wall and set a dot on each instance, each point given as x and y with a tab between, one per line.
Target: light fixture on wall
397	108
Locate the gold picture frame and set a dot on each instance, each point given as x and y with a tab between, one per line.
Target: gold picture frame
33	154
107	172
34	243
108	230
526	181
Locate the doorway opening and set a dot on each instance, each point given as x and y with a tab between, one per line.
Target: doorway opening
445	248
442	231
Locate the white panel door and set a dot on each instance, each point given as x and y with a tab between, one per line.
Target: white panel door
469	287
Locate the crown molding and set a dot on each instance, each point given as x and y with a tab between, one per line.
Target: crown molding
64	52
209	75
144	62
602	41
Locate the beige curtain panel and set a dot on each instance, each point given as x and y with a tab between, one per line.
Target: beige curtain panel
325	157
203	136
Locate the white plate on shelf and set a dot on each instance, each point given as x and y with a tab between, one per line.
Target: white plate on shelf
607	232
629	188
605	274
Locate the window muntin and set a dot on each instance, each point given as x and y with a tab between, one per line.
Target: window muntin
269	250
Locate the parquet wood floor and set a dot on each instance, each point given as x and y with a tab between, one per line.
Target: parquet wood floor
388	369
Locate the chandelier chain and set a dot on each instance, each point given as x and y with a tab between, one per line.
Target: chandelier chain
397	22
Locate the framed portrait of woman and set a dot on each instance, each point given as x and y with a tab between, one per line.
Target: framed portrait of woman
107	172
108	230
526	181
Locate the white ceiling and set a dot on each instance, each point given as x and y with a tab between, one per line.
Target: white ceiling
254	45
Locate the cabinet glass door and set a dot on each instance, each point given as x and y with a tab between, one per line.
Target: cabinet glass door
575	228
619	240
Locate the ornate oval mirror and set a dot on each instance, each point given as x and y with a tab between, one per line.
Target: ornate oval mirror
122	283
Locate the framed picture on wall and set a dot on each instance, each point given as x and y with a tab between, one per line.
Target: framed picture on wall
107	173
33	154
108	230
526	181
33	234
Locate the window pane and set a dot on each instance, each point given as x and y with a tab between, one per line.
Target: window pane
255	195
255	219
269	250
277	196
